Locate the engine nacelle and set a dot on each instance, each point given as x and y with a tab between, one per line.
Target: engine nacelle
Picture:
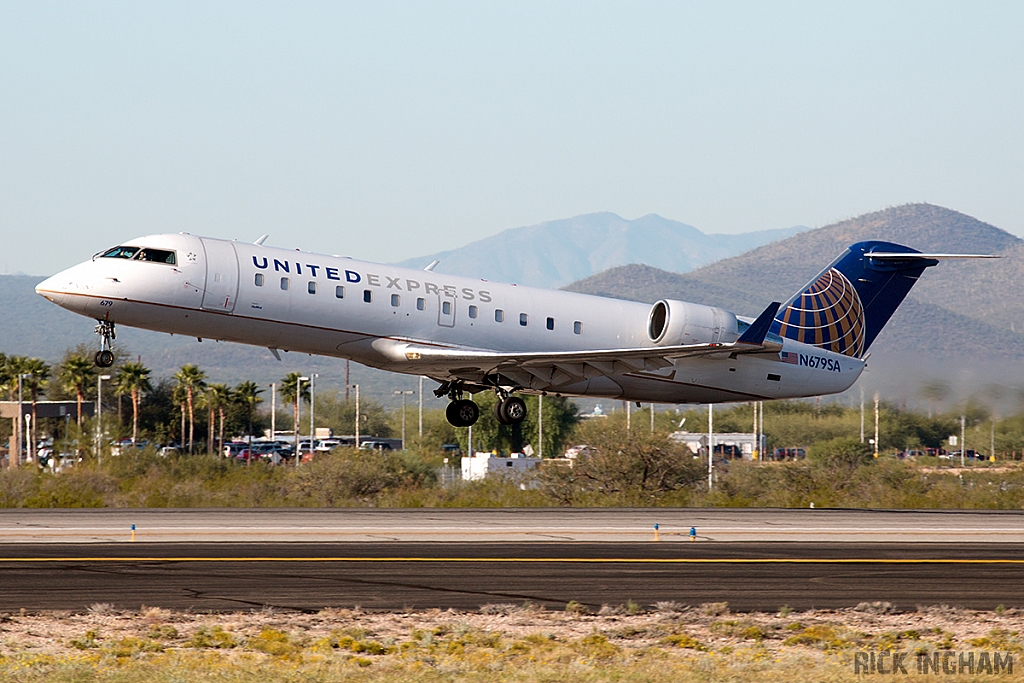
671	323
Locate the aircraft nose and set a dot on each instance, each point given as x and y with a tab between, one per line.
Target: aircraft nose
54	288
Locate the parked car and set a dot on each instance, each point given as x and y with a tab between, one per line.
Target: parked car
789	454
372	445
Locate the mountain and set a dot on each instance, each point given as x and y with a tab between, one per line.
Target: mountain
963	323
556	253
959	308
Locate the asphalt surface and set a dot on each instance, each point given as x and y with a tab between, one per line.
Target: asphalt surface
398	575
511	525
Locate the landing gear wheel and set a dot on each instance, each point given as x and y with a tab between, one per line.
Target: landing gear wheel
497	412
462	413
105	357
513	410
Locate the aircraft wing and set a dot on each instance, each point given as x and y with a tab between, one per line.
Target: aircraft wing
542	369
557	368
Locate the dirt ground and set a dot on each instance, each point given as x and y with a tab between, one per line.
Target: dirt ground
712	626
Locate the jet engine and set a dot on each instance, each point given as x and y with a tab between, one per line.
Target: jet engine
671	323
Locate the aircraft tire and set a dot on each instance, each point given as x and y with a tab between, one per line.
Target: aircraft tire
513	410
462	413
497	412
104	358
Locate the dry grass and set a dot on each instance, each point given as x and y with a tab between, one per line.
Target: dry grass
498	643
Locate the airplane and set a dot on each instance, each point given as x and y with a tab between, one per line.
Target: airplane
472	335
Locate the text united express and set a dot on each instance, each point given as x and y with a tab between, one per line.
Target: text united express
341	275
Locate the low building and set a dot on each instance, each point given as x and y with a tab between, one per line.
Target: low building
732	445
483	464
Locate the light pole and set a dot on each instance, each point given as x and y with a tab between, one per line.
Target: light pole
312	412
540	425
876	426
26	428
421	411
298	415
28	444
404	394
99	417
711	443
356	387
273	411
16	460
963	440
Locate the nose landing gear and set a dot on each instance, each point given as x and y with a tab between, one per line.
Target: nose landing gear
104	358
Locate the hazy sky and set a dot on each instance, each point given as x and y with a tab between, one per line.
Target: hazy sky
389	130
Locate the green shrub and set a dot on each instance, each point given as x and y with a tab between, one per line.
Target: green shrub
212	637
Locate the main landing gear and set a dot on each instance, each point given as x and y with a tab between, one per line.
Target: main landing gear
462	412
510	410
104	358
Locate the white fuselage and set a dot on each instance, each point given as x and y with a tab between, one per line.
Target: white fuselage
337	306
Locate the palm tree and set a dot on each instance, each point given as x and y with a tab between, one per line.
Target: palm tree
217	397
77	373
133	378
38	371
247	394
290	392
180	399
192	380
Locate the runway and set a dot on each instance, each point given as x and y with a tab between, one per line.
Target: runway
399	575
511	525
221	560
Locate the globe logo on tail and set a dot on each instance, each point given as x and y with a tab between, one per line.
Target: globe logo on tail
828	314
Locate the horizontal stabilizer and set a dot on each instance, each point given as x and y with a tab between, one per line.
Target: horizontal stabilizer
907	256
758	330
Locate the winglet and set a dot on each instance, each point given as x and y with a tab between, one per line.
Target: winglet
758	330
433	264
261	240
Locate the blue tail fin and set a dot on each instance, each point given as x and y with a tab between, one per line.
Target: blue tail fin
845	307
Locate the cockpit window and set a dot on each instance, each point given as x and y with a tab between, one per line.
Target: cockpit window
141	254
120	252
156	255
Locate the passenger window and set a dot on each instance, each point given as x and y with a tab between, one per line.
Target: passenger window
367	296
120	252
396	300
421	303
499	315
259	279
472	311
524	319
551	323
339	291
446	307
311	287
284	283
577	327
